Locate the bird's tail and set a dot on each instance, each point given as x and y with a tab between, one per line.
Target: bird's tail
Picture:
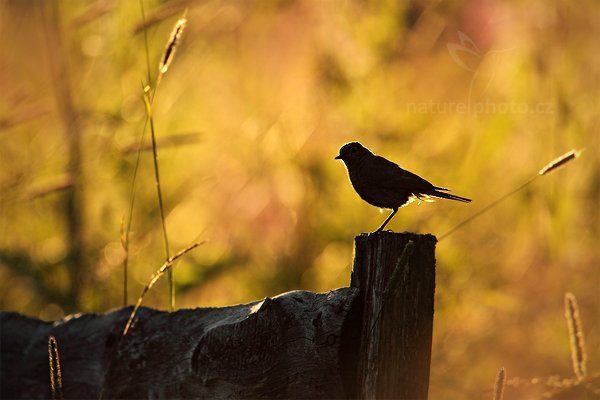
443	195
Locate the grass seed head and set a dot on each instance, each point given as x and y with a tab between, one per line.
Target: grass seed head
172	44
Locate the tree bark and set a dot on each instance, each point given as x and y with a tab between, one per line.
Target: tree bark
397	314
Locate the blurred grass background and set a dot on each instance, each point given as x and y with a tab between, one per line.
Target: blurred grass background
473	95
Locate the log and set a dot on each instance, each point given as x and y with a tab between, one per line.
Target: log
370	340
396	298
282	347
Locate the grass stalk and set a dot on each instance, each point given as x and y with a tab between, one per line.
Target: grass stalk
551	166
147	101
163	67
125	246
149	96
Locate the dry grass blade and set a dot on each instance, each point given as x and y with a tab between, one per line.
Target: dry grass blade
162	12
92	13
55	373
126	229
395	277
57	184
499	385
578	351
148	98
155	277
23	114
552	165
125	247
560	161
176	140
174	40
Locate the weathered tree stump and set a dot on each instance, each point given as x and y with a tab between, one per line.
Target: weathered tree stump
370	340
397	314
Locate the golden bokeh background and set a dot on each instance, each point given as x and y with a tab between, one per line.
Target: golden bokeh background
474	95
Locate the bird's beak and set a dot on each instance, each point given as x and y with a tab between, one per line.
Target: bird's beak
338	158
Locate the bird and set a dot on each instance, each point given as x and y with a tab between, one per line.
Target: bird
385	184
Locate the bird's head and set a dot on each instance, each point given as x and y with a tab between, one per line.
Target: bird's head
352	152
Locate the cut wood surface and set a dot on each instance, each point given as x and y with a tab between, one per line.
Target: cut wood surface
282	347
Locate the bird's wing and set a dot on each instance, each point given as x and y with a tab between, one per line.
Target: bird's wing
391	176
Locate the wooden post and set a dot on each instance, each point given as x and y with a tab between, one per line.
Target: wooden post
397	314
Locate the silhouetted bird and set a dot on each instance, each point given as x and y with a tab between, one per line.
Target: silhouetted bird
384	184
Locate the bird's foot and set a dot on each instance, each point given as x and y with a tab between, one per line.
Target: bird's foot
382	230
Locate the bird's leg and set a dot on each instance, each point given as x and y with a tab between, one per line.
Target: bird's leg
394	211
